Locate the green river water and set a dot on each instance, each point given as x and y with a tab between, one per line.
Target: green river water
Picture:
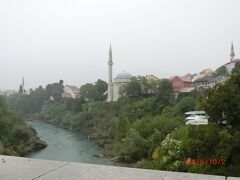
64	145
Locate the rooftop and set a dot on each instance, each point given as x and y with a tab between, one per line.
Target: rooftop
123	75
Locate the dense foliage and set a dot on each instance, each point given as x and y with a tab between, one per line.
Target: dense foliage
14	132
222	103
146	126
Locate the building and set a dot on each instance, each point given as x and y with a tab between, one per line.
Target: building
114	88
219	79
151	78
70	92
180	84
204	83
231	64
22	89
8	92
206	72
120	80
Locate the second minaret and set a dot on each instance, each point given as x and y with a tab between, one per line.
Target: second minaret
110	82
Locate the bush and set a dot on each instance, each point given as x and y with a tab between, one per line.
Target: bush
134	147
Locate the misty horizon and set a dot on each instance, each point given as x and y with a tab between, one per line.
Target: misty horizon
47	41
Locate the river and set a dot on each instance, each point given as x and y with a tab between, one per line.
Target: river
64	145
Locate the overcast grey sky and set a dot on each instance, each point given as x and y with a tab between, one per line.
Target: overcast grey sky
49	40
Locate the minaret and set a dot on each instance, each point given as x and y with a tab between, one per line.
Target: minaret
232	54
110	83
23	90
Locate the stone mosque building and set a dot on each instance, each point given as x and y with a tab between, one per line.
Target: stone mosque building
120	80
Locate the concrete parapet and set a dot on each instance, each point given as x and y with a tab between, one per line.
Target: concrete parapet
17	168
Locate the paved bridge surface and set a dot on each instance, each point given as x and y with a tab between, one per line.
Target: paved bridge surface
18	168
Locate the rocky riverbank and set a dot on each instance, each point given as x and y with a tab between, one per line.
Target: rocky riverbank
34	143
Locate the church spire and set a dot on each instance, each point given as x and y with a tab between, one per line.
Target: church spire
232	54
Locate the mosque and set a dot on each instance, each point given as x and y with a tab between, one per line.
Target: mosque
120	80
232	63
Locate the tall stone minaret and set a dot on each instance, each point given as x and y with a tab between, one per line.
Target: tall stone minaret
23	90
232	54
110	83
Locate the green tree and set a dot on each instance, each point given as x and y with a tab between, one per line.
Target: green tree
89	92
2	102
74	104
185	104
236	69
20	89
132	89
101	87
55	90
222	103
145	85
121	130
134	147
163	95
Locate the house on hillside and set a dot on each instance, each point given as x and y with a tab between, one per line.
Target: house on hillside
204	83
150	91
206	72
207	82
181	84
70	92
151	77
218	80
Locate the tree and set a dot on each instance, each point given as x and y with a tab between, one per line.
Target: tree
101	87
121	130
132	89
88	92
74	104
145	85
185	104
2	102
236	69
163	94
134	147
20	89
222	103
61	82
55	90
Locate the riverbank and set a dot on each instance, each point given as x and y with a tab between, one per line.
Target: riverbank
16	137
34	143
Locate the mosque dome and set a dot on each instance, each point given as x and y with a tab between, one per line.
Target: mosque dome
123	75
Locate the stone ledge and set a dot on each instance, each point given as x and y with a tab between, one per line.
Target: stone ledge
16	168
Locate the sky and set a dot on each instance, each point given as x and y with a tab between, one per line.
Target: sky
48	40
